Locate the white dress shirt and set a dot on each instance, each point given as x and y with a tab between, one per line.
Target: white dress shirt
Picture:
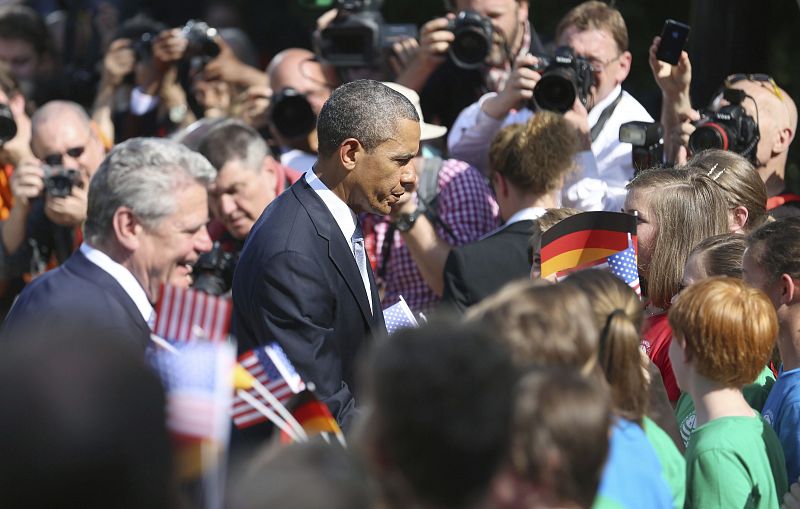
298	160
527	214
124	277
604	172
342	214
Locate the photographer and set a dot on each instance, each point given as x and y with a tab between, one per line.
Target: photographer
247	180
769	108
300	87
445	87
597	35
50	194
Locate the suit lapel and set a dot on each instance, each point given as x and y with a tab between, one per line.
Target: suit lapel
338	248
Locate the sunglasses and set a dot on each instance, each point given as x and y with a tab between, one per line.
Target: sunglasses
758	78
58	159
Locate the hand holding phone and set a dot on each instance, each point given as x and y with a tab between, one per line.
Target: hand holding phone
673	39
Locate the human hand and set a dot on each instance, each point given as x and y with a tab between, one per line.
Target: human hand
118	61
791	500
676	144
673	80
434	41
518	89
168	48
254	105
69	210
578	117
27	182
403	53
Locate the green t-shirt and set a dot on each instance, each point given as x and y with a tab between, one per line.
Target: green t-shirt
672	463
735	462
755	394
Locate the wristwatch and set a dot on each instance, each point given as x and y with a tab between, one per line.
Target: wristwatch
406	221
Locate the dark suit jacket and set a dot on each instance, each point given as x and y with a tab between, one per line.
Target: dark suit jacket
77	298
297	283
475	271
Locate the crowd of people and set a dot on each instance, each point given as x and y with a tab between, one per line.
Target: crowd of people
329	185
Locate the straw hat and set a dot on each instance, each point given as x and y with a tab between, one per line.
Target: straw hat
427	131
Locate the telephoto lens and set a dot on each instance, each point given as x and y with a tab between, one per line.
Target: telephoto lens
565	78
473	39
8	127
291	113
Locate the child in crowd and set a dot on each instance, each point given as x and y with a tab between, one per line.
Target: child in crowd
723	332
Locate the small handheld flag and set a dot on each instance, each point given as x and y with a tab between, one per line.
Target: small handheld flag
399	316
184	314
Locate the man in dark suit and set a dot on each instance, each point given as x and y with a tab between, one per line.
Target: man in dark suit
529	163
303	278
145	226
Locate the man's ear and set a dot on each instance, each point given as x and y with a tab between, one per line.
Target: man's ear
500	184
788	288
623	67
783	140
126	228
350	151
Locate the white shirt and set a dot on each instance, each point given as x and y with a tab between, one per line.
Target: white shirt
125	279
527	214
298	160
604	172
342	214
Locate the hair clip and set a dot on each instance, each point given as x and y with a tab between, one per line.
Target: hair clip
711	174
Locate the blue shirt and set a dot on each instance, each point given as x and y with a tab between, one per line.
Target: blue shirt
633	476
782	412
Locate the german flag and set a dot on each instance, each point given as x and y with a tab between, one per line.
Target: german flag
313	415
585	238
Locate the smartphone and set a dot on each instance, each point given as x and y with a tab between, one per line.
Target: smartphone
673	38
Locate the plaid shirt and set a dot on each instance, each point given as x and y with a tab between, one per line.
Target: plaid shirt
466	205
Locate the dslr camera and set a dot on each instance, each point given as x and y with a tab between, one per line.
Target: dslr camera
647	139
291	113
58	181
473	39
8	127
564	77
200	38
729	128
358	36
213	271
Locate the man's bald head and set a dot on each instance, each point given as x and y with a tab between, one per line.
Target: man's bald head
62	128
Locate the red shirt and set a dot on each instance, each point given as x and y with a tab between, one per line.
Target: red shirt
656	337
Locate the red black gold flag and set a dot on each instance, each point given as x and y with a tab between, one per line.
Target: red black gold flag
585	238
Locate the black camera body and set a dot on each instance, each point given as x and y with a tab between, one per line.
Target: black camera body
8	126
729	128
213	271
565	77
200	38
647	139
358	36
292	114
58	181
473	39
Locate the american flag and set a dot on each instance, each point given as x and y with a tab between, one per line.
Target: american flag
183	314
623	265
198	387
270	366
399	316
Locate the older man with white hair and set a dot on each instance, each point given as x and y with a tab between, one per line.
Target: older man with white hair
145	226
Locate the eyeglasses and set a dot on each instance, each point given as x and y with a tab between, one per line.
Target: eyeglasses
58	159
598	65
757	78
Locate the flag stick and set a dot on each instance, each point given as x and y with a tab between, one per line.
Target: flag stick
269	414
277	405
164	344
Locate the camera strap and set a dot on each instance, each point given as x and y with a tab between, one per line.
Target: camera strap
604	116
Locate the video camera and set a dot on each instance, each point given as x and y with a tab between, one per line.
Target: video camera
565	77
647	139
213	271
473	39
358	36
58	181
729	128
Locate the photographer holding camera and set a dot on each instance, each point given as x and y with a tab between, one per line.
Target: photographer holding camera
588	69
468	53
50	194
751	115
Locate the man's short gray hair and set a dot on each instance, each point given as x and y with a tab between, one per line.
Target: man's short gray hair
144	175
234	140
366	110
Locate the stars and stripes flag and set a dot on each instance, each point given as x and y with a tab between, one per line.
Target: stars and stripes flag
184	314
399	316
623	265
270	366
198	388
